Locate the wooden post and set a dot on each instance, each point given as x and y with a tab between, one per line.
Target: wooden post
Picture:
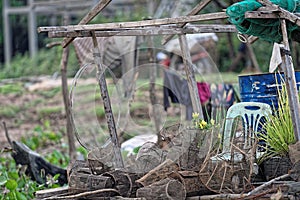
188	66
7	32
107	105
65	92
290	81
33	47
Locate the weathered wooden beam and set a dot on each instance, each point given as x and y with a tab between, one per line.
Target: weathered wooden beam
290	81
155	22
163	30
273	15
195	11
98	8
188	66
107	105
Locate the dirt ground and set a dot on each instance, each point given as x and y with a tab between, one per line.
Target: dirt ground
29	103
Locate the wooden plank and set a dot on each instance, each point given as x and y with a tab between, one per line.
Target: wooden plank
169	30
290	81
154	22
195	11
209	28
282	12
107	106
188	66
98	8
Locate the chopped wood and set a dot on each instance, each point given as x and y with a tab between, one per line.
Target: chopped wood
124	182
154	22
158	173
163	189
81	181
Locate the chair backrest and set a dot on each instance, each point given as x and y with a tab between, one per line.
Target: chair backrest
253	114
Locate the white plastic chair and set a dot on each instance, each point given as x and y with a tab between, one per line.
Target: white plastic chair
252	114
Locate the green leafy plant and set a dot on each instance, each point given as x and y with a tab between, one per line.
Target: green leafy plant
279	128
42	136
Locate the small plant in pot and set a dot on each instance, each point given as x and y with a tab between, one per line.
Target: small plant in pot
279	135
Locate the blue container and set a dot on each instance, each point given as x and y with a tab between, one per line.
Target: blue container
262	87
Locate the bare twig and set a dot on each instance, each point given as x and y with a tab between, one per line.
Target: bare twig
261	187
83	194
53	44
6	133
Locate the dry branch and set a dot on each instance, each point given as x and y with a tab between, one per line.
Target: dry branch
100	6
261	187
83	194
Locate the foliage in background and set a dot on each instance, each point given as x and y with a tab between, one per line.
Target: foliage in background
46	62
279	129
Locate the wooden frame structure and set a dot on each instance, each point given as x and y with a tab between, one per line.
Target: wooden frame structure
176	26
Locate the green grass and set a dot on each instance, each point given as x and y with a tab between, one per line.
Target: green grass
49	93
9	111
11	89
46	111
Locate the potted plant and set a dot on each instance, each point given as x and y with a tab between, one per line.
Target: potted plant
279	134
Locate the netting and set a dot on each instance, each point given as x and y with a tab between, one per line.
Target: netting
266	29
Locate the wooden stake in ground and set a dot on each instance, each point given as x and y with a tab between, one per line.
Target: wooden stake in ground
290	81
65	92
187	60
107	104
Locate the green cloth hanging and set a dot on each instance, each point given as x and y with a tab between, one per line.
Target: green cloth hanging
266	29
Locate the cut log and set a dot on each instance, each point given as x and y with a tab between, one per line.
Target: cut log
124	182
192	183
86	182
164	189
148	157
160	172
